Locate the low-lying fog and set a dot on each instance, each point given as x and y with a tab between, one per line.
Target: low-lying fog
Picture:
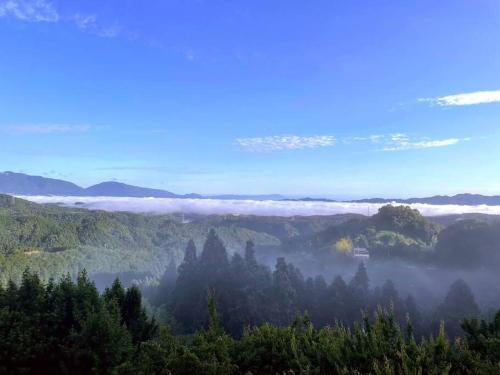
245	207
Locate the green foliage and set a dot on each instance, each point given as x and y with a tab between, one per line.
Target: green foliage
53	240
68	327
394	232
406	221
458	304
484	337
470	244
249	294
344	245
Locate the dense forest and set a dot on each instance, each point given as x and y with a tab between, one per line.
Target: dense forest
250	294
257	295
53	240
252	187
69	327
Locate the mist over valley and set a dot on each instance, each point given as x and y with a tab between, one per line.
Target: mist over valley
210	206
249	187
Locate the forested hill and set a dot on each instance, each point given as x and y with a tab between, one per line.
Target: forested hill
395	229
54	240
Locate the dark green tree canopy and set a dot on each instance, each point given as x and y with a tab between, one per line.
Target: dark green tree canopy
405	220
214	254
459	303
470	244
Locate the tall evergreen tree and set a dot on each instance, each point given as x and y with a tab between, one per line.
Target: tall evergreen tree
166	285
358	293
135	318
103	343
115	293
190	257
234	297
458	304
257	286
320	314
188	290
360	281
390	296
213	258
414	314
307	302
87	299
167	281
250	259
337	300
284	295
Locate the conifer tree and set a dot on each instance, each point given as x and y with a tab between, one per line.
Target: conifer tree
115	293
357	300
458	304
250	259
190	257
337	300
167	281
188	290
135	318
236	312
284	295
414	315
360	282
213	259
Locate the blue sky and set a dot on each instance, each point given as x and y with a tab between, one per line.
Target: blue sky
319	98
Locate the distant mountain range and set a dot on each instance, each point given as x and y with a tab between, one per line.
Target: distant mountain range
458	199
118	189
23	184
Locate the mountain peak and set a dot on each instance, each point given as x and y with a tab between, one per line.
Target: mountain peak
119	189
23	184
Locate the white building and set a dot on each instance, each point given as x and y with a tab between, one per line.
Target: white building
361	252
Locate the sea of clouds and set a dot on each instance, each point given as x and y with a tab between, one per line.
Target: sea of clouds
244	207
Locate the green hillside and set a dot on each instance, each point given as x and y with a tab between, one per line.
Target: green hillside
394	231
52	240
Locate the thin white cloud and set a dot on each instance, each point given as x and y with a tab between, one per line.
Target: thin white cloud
29	10
85	22
382	142
374	138
89	23
402	143
45	11
470	98
285	142
45	129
